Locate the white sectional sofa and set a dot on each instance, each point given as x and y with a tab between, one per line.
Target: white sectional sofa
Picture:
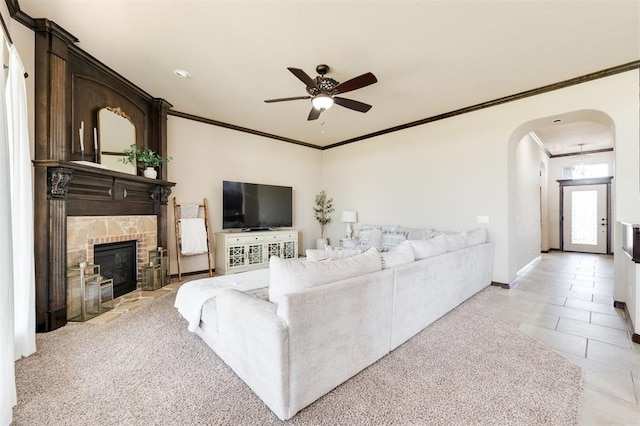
327	320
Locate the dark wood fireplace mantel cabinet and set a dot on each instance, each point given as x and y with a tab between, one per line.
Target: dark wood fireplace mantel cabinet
70	88
97	192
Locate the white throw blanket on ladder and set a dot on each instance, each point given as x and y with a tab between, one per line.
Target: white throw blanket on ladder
193	236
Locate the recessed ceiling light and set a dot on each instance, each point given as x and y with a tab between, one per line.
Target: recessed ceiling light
182	73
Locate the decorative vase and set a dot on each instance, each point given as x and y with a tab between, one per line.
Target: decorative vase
321	243
150	172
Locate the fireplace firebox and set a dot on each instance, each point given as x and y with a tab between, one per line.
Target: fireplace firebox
118	261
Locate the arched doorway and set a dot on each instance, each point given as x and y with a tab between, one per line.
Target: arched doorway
534	169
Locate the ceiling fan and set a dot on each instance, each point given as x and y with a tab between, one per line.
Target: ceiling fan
323	90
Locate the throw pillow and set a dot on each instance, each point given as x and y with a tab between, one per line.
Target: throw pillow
335	253
477	236
315	255
399	255
420	234
291	275
370	238
390	228
392	239
363	237
427	248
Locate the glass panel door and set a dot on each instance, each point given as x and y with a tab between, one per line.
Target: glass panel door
585	218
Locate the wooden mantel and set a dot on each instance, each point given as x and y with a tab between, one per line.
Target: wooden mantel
71	87
94	191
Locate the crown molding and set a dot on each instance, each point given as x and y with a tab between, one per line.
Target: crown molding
518	96
239	128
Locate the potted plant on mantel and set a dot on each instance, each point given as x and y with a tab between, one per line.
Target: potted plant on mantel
322	211
148	157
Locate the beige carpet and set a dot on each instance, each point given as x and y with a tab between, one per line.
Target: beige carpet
145	368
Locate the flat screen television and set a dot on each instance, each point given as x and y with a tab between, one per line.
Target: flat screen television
254	206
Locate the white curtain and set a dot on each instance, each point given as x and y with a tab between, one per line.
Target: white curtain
7	356
21	207
17	276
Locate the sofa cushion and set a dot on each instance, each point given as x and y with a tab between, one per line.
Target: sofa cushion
456	241
291	275
427	248
399	255
477	236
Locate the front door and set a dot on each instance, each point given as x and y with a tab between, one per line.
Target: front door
585	218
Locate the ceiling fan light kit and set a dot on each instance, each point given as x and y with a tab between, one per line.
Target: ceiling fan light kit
323	91
322	101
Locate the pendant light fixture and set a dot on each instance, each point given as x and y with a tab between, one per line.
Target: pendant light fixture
581	161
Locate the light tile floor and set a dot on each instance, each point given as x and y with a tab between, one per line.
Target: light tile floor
565	301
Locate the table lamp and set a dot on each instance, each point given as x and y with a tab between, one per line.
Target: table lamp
349	217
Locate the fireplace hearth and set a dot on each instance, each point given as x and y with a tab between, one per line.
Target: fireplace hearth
118	261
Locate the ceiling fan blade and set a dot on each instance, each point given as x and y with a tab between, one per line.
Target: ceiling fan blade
303	77
356	83
295	98
314	114
351	104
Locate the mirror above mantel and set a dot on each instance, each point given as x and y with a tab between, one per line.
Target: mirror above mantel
116	134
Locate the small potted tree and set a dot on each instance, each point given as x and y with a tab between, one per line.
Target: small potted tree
322	211
149	158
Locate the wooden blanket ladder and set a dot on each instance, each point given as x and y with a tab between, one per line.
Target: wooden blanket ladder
203	211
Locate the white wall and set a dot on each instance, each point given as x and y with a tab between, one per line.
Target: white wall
446	173
530	162
544	206
627	192
205	155
442	175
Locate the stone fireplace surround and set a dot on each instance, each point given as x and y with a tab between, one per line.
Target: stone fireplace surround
84	232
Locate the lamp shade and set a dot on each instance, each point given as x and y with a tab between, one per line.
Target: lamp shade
349	216
322	101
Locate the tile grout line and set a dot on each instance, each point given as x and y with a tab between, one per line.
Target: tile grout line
586	349
635	388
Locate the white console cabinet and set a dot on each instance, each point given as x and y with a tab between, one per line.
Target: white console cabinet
244	251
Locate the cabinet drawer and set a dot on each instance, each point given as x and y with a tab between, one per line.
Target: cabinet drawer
282	236
244	239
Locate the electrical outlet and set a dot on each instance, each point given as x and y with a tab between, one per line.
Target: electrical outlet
483	219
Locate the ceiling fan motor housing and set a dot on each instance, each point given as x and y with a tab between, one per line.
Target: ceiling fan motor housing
322	69
324	84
